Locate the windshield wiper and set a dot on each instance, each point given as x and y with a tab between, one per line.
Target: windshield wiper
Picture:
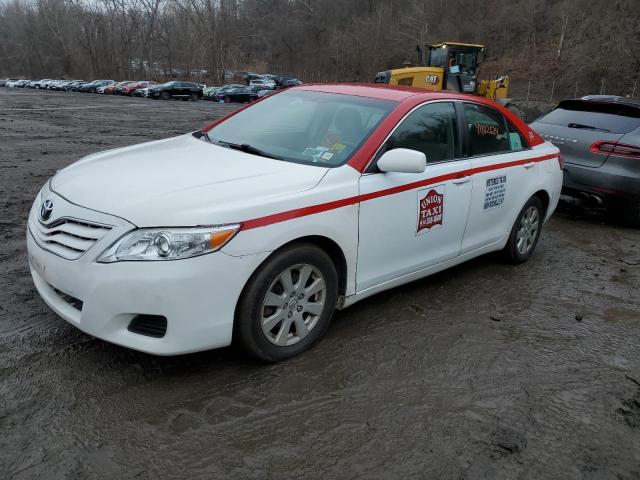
245	147
202	134
587	127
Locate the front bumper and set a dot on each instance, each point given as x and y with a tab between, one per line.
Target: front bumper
197	296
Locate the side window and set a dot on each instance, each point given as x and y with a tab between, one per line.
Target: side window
406	81
487	130
430	129
516	140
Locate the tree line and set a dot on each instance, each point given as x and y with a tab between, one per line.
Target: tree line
549	48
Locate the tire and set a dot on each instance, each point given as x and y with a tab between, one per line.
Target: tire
227	100
194	97
165	96
285	339
523	239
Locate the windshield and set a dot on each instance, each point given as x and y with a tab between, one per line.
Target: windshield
304	126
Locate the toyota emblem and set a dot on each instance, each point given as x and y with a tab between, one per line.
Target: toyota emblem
46	210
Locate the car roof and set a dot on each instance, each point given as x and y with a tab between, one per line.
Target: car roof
614	106
632	102
385	92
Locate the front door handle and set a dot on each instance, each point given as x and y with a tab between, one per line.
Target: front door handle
529	165
458	181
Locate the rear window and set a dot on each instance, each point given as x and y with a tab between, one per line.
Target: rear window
607	117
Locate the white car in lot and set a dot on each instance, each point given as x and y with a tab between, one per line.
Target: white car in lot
267	83
257	230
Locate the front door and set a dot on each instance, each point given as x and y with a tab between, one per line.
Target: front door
413	221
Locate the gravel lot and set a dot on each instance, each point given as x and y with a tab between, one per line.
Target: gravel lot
484	371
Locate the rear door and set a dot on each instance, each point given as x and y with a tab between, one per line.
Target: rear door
500	189
574	126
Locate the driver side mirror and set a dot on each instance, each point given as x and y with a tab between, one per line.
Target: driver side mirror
402	160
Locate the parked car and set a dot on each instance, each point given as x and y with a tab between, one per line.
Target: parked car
599	137
176	89
11	83
92	87
61	85
235	94
52	84
209	93
129	89
111	88
260	225
73	85
265	93
286	82
263	83
141	92
21	83
38	84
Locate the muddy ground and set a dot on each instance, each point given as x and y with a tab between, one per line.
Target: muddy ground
484	371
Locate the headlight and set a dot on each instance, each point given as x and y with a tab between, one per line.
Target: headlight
168	243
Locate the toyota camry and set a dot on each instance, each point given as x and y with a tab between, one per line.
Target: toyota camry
256	228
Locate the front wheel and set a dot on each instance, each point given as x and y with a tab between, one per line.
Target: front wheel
287	304
165	96
525	232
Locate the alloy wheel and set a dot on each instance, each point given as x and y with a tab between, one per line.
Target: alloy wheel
293	304
528	230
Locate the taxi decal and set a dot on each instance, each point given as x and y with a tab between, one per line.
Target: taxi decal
430	208
495	191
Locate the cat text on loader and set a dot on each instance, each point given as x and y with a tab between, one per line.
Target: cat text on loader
451	66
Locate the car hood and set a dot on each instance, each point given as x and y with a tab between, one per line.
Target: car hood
182	181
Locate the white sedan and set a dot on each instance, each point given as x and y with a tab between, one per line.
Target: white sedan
256	228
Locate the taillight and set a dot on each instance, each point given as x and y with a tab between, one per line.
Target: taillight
613	148
561	161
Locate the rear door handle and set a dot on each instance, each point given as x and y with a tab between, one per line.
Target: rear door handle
458	181
529	165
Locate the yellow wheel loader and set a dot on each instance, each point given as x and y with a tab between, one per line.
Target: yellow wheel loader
451	66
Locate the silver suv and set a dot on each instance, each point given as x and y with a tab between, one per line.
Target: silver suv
599	138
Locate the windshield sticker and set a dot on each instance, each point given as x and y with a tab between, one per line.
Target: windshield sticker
337	147
326	156
495	192
514	140
315	152
430	209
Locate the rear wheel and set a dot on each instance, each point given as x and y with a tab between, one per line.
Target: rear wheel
194	97
288	303
525	232
227	99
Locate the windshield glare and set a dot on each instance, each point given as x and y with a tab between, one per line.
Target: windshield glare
304	126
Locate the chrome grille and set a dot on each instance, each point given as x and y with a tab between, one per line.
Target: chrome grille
69	237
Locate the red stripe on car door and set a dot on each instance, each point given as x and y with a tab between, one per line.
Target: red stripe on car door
323	207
